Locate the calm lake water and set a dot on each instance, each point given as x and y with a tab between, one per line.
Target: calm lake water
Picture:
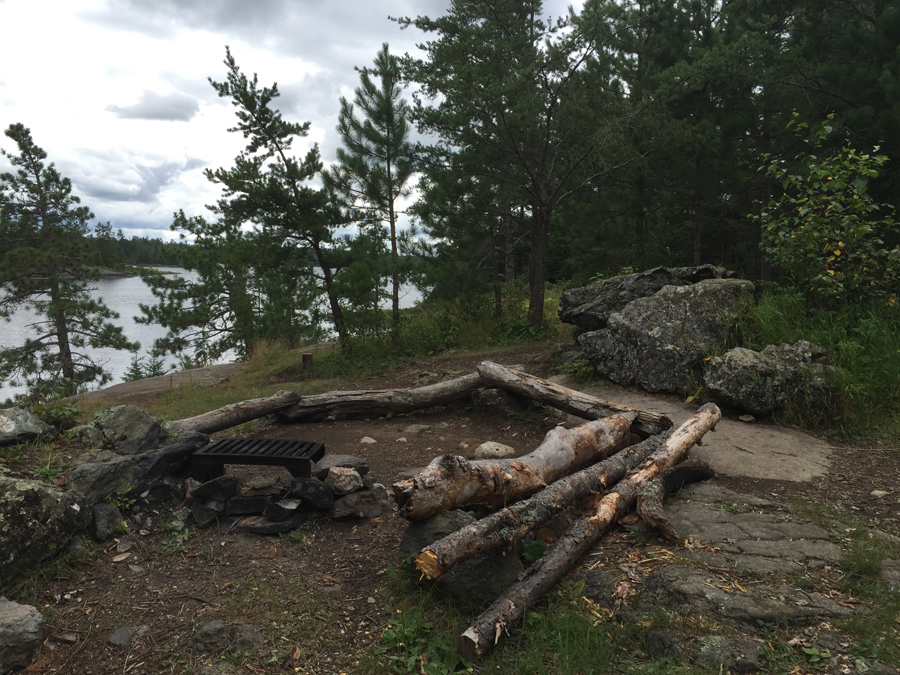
124	296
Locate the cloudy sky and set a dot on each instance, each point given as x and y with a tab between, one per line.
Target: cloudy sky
116	91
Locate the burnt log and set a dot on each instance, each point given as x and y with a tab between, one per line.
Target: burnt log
570	400
650	499
514	522
451	482
487	629
237	413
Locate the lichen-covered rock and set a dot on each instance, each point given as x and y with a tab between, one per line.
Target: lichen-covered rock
21	633
106	519
124	429
763	382
37	521
104	473
17	425
590	307
659	342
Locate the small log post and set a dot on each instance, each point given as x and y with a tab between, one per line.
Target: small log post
237	413
514	522
487	629
451	482
578	403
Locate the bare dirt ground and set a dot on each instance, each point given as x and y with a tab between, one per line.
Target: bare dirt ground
322	595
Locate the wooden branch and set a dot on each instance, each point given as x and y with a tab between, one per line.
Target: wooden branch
367	403
237	413
514	522
653	493
451	482
482	635
572	401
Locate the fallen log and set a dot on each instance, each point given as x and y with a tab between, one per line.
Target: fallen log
367	403
451	482
514	522
487	629
578	403
653	493
237	413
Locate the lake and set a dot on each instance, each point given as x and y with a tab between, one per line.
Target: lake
124	295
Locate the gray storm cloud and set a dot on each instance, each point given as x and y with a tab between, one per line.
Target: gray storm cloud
172	107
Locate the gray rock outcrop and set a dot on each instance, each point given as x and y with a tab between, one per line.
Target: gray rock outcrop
124	429
105	472
372	503
37	521
763	382
17	425
591	306
659	342
21	633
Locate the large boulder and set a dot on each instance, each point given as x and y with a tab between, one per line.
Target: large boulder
764	382
17	425
104	473
124	429
37	521
659	342
21	633
591	306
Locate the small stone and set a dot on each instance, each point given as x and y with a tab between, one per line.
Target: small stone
21	633
66	638
348	461
368	481
182	514
494	450
106	519
747	418
313	493
239	506
416	428
370	600
367	440
342	481
123	636
463	446
367	504
211	636
123	545
262	486
176	525
402	439
221	489
441	425
137	569
203	515
278	511
879	493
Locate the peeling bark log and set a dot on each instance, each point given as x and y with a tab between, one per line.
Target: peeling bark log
514	522
572	401
366	403
451	482
237	413
650	498
482	635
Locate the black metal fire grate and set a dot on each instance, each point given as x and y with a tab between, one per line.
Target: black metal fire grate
296	456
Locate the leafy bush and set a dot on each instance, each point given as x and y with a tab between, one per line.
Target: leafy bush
826	231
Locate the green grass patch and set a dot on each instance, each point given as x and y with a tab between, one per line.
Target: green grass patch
864	346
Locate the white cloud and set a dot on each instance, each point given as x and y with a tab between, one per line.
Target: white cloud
172	107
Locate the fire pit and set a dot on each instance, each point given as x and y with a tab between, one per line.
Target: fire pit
296	456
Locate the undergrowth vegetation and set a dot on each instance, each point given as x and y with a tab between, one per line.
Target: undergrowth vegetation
863	343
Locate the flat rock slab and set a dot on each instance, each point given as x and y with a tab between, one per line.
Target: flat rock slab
747	533
754	450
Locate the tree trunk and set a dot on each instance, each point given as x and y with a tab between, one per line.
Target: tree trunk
237	413
537	270
645	424
549	568
451	482
514	522
367	403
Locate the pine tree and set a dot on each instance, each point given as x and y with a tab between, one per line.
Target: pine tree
44	271
377	158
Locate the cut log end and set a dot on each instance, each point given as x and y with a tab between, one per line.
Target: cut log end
428	564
